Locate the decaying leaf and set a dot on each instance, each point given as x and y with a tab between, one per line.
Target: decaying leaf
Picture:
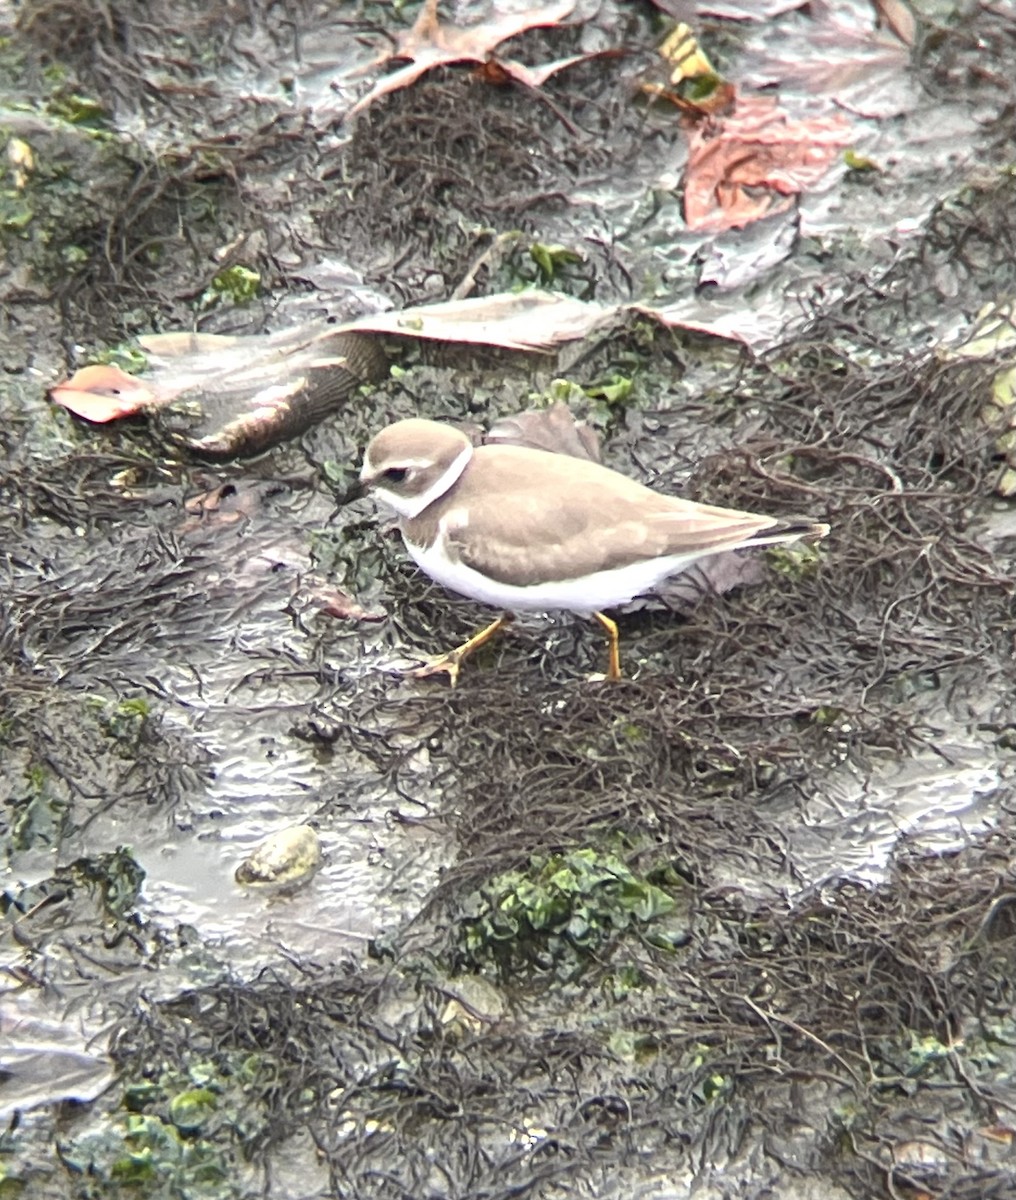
256	376
431	43
754	161
746	10
333	601
714	576
532	320
998	1133
993	335
502	71
691	82
841	54
749	327
21	160
992	331
899	17
184	363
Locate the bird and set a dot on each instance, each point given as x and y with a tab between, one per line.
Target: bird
530	530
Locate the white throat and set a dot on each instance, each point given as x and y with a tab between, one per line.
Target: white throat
409	507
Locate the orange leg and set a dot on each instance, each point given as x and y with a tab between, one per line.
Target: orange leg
614	660
448	664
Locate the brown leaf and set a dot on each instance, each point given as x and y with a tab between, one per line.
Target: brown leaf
841	55
184	362
899	17
753	162
532	320
997	1133
509	70
747	10
751	327
429	44
102	393
333	601
222	506
213	500
713	576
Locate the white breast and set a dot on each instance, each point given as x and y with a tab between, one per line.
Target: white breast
602	589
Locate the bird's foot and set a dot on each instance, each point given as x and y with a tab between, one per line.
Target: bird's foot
614	657
449	664
444	664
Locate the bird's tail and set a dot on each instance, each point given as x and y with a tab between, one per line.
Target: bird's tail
789	531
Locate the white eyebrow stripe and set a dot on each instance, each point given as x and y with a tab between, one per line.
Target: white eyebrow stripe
411	506
405	464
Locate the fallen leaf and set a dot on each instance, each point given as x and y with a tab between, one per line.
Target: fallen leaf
532	320
332	601
993	331
899	17
997	1133
747	10
104	392
859	162
46	1061
231	377
753	162
496	70
728	263
21	160
752	328
430	43
714	576
841	55
212	501
260	370
691	83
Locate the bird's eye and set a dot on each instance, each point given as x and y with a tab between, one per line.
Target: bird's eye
396	474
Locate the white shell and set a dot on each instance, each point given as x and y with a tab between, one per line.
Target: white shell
286	858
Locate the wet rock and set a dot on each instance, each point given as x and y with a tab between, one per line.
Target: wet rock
473	1002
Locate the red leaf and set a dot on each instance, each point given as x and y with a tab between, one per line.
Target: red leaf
753	162
429	44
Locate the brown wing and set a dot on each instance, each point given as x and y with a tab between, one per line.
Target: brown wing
537	517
